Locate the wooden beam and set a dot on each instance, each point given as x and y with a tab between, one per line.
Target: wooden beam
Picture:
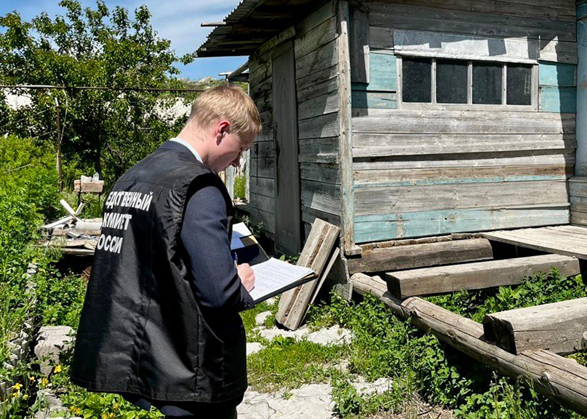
293	304
561	379
558	327
345	135
359	45
421	255
475	276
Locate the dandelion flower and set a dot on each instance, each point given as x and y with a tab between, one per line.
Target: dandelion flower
57	369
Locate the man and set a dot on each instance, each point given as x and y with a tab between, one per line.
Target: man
160	322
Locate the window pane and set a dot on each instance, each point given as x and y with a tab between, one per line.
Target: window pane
519	84
417	77
487	83
451	81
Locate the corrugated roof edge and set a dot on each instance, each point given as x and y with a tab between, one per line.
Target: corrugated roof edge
240	11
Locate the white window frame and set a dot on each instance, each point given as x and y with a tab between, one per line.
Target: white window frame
433	105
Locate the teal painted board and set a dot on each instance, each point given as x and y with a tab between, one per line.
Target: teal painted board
372	228
457	181
582	11
374	100
382	72
558	99
557	74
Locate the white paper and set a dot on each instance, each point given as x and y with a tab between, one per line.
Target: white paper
275	275
239	230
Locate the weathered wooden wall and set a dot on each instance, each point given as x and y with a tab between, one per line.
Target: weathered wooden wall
316	72
426	171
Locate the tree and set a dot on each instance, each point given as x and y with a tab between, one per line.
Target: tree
103	130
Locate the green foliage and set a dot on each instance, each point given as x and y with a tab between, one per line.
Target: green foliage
240	186
27	196
539	289
386	347
277	366
103	130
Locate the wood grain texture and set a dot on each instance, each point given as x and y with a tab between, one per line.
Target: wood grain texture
557	327
293	304
421	255
476	276
563	240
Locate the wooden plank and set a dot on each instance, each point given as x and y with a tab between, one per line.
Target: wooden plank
470	23
325	273
359	45
317	60
318	146
262	186
316	18
262	167
476	276
557	74
293	304
320	126
309	215
315	38
468	161
432	125
304	84
438	44
381	37
459	196
318	89
263	203
556	327
431	223
288	228
321	196
318	106
374	100
558	99
421	255
383	72
346	196
552	11
324	173
579	218
377	145
94	187
547	242
558	51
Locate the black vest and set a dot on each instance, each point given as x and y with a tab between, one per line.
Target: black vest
141	330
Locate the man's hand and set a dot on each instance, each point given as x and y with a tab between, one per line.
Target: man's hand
247	276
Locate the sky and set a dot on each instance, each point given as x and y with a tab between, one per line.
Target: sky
177	20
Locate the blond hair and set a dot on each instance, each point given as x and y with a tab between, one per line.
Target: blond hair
230	103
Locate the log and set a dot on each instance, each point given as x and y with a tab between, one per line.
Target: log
474	276
552	375
557	327
375	286
561	379
421	255
293	304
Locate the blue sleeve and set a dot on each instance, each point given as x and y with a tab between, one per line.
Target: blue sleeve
205	238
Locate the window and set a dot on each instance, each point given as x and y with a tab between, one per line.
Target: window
448	81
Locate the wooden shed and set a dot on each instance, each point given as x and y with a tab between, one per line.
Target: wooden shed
407	118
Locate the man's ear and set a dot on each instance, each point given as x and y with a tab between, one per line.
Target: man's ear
222	128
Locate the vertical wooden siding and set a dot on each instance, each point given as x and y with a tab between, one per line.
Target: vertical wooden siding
317	89
424	172
318	107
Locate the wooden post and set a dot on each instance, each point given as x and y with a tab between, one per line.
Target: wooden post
59	164
345	138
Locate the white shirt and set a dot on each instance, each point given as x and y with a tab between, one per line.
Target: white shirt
189	147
